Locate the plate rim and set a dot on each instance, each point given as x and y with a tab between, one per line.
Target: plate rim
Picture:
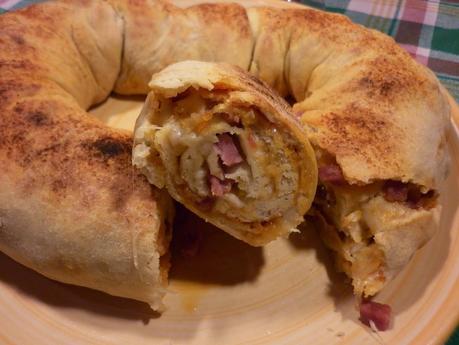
454	121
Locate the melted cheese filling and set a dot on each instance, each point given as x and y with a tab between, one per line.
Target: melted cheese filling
263	186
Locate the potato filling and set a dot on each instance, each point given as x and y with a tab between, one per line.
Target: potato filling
226	156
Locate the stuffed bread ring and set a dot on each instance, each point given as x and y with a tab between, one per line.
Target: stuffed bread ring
227	147
376	118
70	204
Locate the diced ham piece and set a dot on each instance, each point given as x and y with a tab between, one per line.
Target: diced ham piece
331	173
375	313
219	187
395	191
227	150
409	194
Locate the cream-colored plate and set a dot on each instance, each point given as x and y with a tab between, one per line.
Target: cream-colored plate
231	293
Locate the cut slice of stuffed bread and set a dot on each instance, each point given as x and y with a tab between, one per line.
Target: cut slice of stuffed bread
375	228
228	148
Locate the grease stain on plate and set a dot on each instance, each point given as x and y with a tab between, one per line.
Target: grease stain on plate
190	293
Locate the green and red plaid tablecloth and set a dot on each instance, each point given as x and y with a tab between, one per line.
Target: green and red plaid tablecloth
428	30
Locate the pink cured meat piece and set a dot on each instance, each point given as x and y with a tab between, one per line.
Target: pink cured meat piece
395	191
227	150
331	173
218	187
377	313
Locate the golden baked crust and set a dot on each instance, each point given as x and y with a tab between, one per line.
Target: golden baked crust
357	92
365	103
71	205
158	34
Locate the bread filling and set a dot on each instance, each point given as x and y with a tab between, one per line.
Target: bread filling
225	157
352	216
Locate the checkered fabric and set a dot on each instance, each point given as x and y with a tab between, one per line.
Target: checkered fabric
427	29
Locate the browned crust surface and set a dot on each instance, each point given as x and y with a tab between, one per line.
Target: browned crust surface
71	204
361	97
